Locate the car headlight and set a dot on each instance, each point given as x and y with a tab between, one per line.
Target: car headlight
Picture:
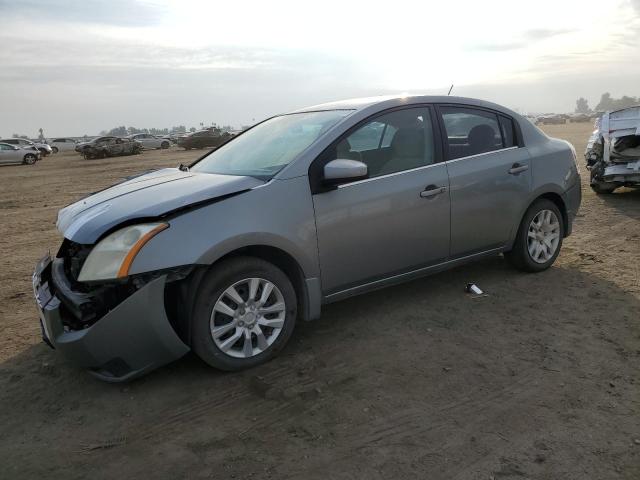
112	257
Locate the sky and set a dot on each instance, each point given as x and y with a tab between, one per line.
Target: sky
77	67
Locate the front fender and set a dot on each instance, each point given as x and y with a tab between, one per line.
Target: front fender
279	214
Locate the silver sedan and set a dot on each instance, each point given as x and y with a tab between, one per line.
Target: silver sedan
15	154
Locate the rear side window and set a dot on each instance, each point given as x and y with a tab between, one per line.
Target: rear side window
471	131
508	132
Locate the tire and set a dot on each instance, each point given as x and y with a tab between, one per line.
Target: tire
234	272
520	256
602	190
54	150
30	159
165	145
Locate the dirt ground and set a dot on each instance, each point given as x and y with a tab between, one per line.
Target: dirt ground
539	379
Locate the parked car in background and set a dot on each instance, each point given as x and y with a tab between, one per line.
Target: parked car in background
62	144
552	120
150	141
210	137
580	118
103	147
82	145
27	155
613	151
301	210
43	148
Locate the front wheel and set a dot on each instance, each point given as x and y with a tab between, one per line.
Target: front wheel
165	145
539	238
54	149
245	313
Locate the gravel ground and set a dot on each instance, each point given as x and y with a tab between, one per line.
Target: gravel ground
538	379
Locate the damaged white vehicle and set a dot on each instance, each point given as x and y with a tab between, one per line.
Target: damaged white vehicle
613	151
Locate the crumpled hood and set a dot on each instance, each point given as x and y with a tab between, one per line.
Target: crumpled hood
147	196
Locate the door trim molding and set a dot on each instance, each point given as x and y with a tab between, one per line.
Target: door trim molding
366	180
482	154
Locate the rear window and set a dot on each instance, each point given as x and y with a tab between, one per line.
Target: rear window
508	132
472	131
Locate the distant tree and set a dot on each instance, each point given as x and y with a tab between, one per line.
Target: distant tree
626	101
609	103
179	129
192	129
118	131
17	135
606	102
134	130
582	106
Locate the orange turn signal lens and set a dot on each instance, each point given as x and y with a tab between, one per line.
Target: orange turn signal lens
128	260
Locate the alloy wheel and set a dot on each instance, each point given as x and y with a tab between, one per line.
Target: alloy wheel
248	317
543	236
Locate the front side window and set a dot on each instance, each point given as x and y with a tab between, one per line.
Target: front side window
470	131
393	142
269	146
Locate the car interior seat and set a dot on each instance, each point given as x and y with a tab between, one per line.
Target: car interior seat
481	138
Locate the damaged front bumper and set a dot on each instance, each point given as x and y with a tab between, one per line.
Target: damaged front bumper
130	340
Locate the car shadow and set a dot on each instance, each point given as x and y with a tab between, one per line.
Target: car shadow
625	200
426	345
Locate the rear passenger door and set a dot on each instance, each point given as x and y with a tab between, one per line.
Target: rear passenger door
489	177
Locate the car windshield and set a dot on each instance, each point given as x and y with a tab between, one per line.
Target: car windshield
269	146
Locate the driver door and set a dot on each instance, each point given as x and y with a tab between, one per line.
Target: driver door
393	222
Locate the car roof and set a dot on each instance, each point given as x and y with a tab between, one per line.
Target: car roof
389	101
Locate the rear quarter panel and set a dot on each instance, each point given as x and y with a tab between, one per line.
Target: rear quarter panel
553	170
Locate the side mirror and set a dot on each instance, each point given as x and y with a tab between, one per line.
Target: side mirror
341	171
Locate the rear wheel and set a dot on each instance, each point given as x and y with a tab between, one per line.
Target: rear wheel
165	145
54	149
29	159
244	314
539	237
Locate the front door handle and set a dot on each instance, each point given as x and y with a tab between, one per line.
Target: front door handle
432	191
516	168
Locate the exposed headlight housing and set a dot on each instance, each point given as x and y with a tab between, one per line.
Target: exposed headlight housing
112	257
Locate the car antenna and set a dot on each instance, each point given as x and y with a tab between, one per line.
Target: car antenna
450	88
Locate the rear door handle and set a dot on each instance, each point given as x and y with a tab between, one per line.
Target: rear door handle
432	191
516	168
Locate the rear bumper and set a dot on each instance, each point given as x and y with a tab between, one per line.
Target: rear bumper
572	200
623	173
130	340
